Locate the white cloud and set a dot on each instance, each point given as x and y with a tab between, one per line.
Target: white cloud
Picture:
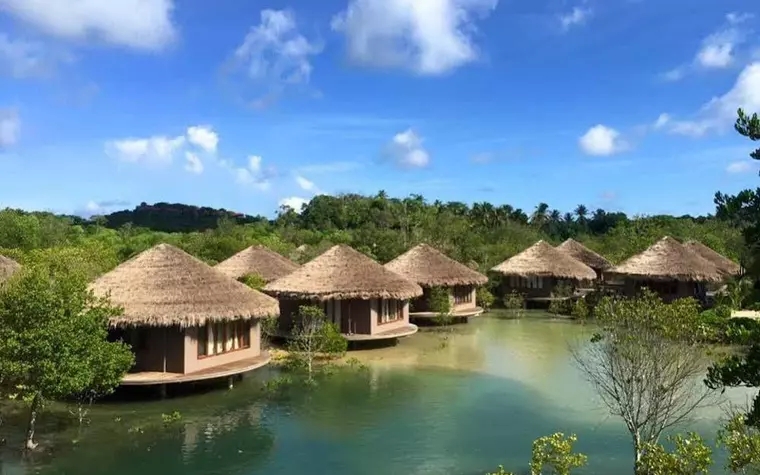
193	164
203	136
740	167
720	112
426	37
718	50
10	128
306	185
254	174
330	167
601	140
138	24
663	120
406	150
275	54
576	16
156	150
293	202
21	59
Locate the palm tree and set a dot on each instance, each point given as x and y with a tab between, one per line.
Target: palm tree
538	218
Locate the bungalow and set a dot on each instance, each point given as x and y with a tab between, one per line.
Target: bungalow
726	266
669	269
257	260
537	272
364	299
581	253
430	268
184	320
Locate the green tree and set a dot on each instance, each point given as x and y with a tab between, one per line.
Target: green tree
743	445
53	340
645	365
484	298
555	452
690	456
254	281
314	337
749	126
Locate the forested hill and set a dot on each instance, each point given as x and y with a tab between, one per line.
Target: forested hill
175	217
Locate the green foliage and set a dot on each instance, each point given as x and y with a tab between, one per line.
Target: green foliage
514	302
739	370
742	443
561	307
736	294
313	337
53	338
749	126
690	456
254	281
580	310
500	471
172	417
555	452
484	298
439	301
269	328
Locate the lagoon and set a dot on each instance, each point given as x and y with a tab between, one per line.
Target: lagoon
453	402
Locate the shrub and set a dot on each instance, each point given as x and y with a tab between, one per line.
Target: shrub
580	309
514	302
254	281
561	307
438	300
484	298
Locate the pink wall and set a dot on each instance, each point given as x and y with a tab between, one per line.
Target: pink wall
383	327
463	306
193	363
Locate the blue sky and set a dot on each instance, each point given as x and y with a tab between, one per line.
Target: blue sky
620	104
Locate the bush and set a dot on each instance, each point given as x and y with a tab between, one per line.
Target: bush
561	307
514	302
484	298
438	301
254	281
580	309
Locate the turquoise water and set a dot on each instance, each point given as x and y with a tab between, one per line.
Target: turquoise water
438	403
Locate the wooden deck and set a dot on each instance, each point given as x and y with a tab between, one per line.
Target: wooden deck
148	378
464	313
407	330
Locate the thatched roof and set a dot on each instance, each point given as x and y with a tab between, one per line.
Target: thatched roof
257	260
723	263
8	267
581	253
668	259
165	286
431	268
543	260
343	273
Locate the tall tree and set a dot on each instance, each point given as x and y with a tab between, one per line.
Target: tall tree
749	126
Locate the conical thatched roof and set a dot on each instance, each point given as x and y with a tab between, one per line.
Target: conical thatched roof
581	253
257	260
343	273
430	268
668	259
165	286
8	267
723	263
543	260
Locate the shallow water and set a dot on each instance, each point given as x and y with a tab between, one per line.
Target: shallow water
458	402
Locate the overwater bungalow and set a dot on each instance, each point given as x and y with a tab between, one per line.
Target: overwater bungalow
537	272
726	266
669	269
581	253
430	268
258	260
185	320
363	298
8	267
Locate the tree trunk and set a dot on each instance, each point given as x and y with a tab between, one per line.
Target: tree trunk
637	468
30	444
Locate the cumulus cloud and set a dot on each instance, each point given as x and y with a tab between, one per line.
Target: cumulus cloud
719	113
275	55
138	24
203	136
427	38
406	150
296	203
601	140
158	150
10	128
719	49
577	16
193	164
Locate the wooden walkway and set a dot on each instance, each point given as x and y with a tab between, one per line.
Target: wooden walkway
463	313
148	378
407	330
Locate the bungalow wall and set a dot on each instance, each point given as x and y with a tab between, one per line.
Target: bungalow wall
668	290
461	297
155	348
364	317
533	287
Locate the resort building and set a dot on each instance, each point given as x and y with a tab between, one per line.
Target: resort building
8	267
430	268
725	266
669	269
185	320
540	271
364	299
581	253
257	260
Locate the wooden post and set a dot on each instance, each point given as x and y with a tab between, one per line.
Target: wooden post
230	382
164	328
162	391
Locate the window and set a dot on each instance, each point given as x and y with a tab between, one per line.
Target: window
223	337
390	311
462	294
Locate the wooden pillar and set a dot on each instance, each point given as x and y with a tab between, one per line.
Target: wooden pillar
230	382
164	348
162	391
